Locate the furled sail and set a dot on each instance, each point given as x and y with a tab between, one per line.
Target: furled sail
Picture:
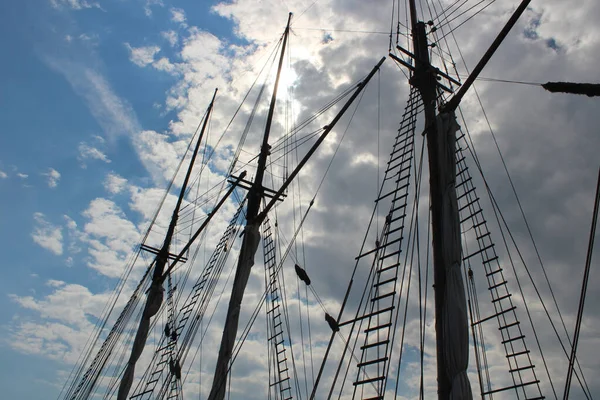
454	314
153	303
245	264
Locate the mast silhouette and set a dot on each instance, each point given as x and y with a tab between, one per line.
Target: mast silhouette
249	246
451	323
155	293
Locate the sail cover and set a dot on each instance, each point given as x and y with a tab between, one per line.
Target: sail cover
454	314
245	264
153	303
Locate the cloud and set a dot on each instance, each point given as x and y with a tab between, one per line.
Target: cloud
113	114
47	235
171	36
109	235
142	56
74	4
3	175
150	4
22	175
114	183
555	198
178	16
52	177
87	152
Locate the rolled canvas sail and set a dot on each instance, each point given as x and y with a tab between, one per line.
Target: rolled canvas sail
454	315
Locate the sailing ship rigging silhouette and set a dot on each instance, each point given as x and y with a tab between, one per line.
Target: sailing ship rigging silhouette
147	349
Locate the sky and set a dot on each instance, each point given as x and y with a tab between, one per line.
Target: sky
100	98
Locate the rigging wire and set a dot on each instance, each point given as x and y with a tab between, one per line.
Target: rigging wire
468	19
333	30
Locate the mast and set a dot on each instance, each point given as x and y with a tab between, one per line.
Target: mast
248	249
451	325
155	293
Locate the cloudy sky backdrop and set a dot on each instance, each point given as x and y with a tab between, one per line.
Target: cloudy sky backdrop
100	98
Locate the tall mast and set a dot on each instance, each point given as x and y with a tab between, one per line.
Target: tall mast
155	293
249	246
451	326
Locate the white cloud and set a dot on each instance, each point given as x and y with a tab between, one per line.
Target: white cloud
47	235
22	175
142	56
115	115
87	152
171	36
52	176
205	62
3	175
150	4
109	235
74	4
178	16
114	183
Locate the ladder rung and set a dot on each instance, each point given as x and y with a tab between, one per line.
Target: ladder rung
392	254
397	165
376	328
479	251
370	345
471	216
401	149
513	339
520	353
402	177
466	193
493	316
493	272
470	203
506	296
398	208
464	182
521	368
377	360
510	387
382	270
378	248
395	230
497	285
379	378
383	296
367	315
280	381
388	194
477	225
384	282
489	260
483	236
396	219
141	394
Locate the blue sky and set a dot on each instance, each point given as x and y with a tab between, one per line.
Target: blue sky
99	98
48	124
